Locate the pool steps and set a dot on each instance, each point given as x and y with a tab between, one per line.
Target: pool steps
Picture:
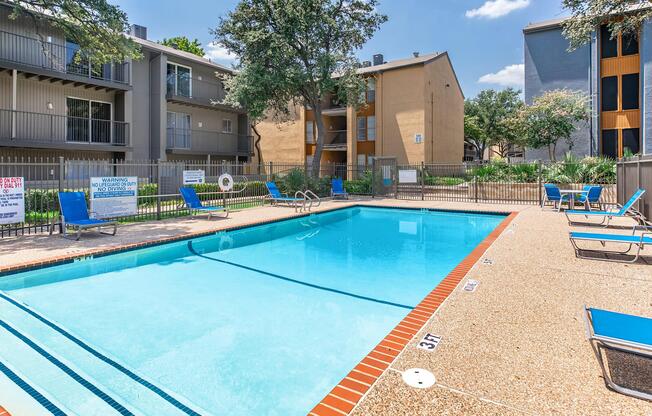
130	396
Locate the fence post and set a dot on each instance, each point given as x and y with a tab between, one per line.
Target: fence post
62	173
271	171
540	181
475	186
158	189
423	182
373	177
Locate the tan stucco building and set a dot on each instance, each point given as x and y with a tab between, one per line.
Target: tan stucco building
414	112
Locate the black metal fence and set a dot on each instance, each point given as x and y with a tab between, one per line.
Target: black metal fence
513	183
159	182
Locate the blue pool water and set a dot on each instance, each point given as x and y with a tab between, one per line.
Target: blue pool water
263	320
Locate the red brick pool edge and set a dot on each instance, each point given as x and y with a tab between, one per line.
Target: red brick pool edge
350	391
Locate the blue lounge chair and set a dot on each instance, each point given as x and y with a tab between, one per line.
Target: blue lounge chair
624	334
195	206
74	214
337	189
277	198
626	210
629	240
591	197
554	196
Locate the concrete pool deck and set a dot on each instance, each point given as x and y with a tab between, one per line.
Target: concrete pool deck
515	346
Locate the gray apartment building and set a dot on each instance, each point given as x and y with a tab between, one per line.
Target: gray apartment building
56	102
615	73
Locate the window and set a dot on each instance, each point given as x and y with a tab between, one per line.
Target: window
371	128
371	90
310	131
88	121
610	94
179	80
370	159
178	129
630	92
362	158
362	128
629	44
610	143
226	126
608	46
631	140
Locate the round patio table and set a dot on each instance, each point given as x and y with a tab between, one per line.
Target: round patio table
571	195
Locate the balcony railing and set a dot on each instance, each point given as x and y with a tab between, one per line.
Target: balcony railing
204	141
58	58
335	139
203	92
37	128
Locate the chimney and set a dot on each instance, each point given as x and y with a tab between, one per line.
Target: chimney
416	54
138	31
366	64
379	59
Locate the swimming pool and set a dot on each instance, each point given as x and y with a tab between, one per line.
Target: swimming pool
261	320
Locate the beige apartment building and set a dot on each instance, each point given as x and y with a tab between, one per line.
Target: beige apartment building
414	112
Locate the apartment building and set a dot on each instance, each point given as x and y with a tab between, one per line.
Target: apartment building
54	101
414	111
612	72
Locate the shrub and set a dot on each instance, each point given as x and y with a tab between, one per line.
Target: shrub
360	186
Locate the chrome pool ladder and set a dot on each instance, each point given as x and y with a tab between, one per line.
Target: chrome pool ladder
309	198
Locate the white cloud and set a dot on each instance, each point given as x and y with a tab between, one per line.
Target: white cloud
218	53
510	76
493	9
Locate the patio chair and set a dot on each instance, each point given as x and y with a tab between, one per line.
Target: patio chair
614	336
277	198
554	196
591	197
74	214
195	206
626	210
629	240
337	189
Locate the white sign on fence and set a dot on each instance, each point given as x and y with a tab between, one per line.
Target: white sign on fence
113	197
12	200
407	176
194	177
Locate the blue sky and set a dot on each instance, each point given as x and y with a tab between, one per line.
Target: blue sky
483	38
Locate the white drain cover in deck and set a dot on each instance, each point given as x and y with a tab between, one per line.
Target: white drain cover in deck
418	378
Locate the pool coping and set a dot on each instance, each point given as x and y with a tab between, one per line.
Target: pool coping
349	392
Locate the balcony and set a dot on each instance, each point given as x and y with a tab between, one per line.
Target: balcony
186	141
182	89
23	129
335	141
66	62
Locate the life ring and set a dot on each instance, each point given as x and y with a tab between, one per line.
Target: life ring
225	181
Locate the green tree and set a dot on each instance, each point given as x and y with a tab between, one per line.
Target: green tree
182	43
492	113
473	133
95	25
295	52
552	117
587	15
